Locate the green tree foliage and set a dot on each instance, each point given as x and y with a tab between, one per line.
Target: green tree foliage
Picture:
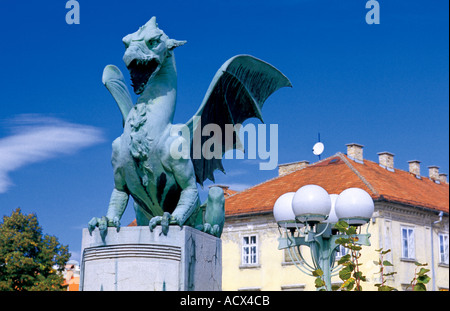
27	257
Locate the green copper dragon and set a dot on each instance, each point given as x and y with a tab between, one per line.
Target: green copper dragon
164	189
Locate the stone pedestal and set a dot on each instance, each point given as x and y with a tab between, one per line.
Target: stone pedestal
136	259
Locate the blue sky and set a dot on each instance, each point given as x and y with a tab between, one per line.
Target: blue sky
384	86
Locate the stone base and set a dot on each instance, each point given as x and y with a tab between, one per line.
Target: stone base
136	259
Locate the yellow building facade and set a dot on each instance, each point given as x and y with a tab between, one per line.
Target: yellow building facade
410	219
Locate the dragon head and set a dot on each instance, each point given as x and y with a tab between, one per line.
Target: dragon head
146	51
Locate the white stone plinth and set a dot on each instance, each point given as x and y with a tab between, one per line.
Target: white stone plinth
136	259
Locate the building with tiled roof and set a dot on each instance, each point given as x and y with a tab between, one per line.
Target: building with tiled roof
411	219
72	276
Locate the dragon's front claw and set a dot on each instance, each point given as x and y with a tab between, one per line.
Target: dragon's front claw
155	221
103	224
165	221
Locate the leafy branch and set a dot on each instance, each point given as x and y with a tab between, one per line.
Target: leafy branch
319	282
350	273
421	278
384	263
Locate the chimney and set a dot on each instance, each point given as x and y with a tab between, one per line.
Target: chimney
224	187
443	178
386	160
287	168
355	152
414	167
226	191
433	172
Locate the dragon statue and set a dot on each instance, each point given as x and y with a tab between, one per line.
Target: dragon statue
164	188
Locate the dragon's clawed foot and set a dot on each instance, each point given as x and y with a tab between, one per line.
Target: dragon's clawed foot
210	229
213	230
103	224
165	221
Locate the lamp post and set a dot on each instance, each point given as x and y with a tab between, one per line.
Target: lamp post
307	217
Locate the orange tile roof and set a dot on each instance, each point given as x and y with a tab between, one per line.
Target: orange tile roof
338	173
229	192
133	223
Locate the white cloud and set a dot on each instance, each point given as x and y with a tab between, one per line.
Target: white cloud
36	138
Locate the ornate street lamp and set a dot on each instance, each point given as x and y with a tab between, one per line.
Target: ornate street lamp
307	217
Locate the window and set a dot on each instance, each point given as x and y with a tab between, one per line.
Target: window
341	251
292	254
249	250
443	248
408	247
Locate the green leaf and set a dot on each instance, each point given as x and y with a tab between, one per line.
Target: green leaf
344	259
385	288
342	241
351	230
348	284
335	287
358	275
385	252
390	273
419	287
387	263
424	279
345	274
319	283
354	247
317	272
349	265
341	226
423	271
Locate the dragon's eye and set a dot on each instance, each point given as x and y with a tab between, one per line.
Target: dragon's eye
152	42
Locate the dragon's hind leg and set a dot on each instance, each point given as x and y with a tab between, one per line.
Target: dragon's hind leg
215	212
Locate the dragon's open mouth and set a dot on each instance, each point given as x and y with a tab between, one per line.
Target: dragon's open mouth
140	72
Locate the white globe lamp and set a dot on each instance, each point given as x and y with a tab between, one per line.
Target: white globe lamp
355	206
311	204
282	211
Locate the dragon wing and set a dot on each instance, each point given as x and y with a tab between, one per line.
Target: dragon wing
236	93
115	83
